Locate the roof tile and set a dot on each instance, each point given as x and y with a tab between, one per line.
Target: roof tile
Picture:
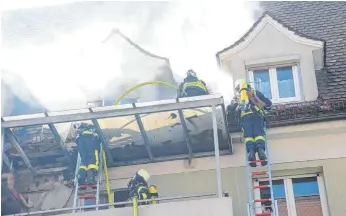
325	21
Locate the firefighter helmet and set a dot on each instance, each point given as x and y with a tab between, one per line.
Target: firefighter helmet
191	73
152	189
144	174
238	83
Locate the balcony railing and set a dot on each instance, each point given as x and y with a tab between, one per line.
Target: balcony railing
199	204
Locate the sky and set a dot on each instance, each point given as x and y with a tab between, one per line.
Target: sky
56	46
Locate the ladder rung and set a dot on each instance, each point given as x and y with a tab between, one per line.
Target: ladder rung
261	186
257	161
259	173
262	200
264	206
87	196
87	186
263	214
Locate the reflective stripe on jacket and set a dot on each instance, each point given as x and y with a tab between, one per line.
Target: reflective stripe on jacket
197	84
253	108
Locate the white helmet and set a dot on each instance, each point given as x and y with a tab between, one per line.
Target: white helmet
238	83
145	174
191	73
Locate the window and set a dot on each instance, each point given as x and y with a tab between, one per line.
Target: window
280	84
121	195
86	202
296	196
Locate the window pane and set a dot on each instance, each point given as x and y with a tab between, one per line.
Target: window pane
262	82
307	198
121	195
305	186
279	195
285	82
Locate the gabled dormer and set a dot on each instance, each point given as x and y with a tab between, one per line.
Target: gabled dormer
276	60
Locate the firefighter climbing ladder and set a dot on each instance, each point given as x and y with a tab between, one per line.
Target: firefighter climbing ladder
78	196
254	210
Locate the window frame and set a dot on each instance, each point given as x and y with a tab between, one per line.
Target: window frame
290	199
274	83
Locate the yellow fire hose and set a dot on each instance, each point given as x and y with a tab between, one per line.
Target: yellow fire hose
143	84
105	170
134	200
135	206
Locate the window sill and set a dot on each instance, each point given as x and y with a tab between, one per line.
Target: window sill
284	102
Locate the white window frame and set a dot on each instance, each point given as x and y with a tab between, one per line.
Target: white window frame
290	200
274	84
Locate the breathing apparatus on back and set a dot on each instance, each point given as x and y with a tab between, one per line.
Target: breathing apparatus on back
242	88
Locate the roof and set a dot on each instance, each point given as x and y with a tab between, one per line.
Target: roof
132	133
118	32
321	21
17	96
259	25
138	65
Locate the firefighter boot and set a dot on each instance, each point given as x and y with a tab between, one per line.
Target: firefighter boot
252	156
91	174
262	156
81	176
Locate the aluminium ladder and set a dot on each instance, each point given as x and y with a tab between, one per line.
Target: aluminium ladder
87	194
252	208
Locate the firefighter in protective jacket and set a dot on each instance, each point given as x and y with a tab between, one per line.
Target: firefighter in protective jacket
88	144
154	194
249	105
138	185
192	86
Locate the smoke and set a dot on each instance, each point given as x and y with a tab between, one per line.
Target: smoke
63	68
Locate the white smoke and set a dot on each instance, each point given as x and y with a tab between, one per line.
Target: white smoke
190	33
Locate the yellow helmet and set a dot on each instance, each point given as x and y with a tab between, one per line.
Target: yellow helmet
145	174
152	189
238	83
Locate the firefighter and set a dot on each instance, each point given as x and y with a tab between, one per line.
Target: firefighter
153	194
88	144
192	86
249	108
138	185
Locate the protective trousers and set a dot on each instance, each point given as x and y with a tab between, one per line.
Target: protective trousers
253	132
143	192
88	168
89	153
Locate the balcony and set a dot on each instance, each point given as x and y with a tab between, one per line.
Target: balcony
202	207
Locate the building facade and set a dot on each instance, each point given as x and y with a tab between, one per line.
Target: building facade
295	54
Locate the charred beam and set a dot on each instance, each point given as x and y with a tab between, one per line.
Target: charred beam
6	161
144	135
186	133
19	149
59	140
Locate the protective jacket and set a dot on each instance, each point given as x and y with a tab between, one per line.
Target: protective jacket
192	86
88	144
251	120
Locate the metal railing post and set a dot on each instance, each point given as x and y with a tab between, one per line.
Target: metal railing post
276	208
217	153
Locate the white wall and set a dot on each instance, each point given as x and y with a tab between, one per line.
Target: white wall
204	207
271	43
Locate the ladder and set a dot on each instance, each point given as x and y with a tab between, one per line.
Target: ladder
251	174
87	194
